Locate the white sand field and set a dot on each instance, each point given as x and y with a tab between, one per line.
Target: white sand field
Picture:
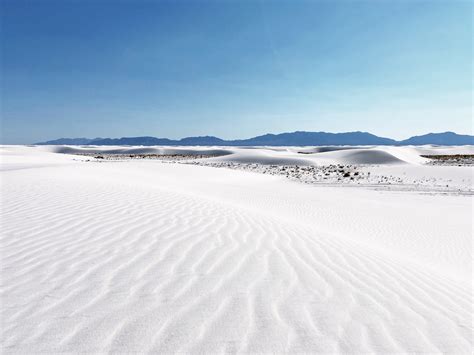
156	256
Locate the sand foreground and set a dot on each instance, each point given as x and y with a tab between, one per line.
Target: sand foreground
146	256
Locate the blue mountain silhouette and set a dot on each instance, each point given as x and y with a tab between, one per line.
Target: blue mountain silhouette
298	138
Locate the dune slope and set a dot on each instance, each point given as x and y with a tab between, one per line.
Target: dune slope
149	256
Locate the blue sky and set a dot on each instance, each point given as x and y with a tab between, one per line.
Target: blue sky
234	69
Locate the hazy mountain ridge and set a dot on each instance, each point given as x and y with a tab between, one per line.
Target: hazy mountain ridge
446	138
298	138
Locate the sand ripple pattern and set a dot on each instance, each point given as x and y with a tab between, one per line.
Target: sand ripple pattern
94	266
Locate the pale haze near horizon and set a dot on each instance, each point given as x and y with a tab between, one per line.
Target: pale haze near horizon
235	69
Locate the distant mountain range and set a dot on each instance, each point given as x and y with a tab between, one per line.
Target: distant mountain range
282	139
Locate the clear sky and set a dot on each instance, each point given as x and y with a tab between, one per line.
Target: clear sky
234	69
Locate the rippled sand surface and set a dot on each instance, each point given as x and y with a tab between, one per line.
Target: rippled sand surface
146	256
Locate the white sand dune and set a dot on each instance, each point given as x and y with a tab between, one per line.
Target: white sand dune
379	155
324	149
145	256
360	156
136	150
